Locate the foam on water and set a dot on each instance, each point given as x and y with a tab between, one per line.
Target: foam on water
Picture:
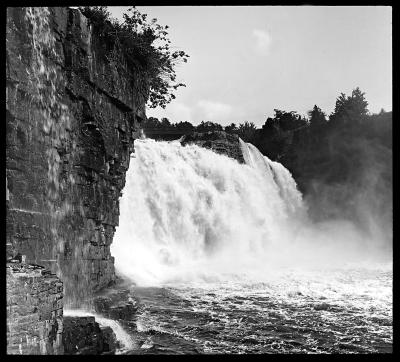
226	260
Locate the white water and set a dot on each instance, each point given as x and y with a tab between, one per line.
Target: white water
190	215
123	337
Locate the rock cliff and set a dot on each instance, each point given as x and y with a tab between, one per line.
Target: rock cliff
34	310
73	110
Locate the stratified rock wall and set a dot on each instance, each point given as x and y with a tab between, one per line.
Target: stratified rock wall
73	111
218	141
34	310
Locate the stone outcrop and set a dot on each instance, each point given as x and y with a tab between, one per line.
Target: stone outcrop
116	305
73	110
218	141
83	335
34	310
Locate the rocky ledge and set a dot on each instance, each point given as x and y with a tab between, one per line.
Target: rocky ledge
218	141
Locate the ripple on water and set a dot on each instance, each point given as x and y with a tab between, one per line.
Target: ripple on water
333	313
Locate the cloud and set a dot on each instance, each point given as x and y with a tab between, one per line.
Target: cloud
263	41
175	112
203	110
214	111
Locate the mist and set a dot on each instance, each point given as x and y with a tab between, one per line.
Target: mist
189	214
356	189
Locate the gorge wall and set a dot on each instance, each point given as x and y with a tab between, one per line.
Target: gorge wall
73	110
34	310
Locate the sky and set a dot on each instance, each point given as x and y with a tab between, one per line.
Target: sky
245	61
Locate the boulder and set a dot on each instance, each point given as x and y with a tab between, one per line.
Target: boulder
83	335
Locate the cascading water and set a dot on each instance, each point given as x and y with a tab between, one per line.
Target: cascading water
186	209
188	212
225	259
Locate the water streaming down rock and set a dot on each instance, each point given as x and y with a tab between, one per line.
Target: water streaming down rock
125	340
45	79
46	84
188	212
73	116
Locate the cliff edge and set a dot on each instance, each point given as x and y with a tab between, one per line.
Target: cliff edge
73	111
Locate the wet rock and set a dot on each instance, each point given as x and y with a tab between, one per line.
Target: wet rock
218	141
83	335
322	306
110	343
34	310
118	305
66	160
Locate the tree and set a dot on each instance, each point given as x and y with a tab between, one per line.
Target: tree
289	120
184	126
231	128
350	109
359	104
208	126
165	122
247	131
145	46
271	126
316	116
151	122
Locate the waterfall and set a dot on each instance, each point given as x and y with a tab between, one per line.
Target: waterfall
187	210
282	178
189	214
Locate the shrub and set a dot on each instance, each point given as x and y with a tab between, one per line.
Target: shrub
146	47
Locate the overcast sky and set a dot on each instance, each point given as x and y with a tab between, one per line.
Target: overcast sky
247	60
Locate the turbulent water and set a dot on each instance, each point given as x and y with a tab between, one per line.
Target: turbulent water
225	260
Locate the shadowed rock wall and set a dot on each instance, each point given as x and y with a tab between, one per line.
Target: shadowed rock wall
73	112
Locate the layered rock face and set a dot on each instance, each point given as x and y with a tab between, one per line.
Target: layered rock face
73	112
34	310
218	141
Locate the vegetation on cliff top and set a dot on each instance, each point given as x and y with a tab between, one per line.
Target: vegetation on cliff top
145	45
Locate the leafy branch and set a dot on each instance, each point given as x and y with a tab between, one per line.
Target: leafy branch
145	45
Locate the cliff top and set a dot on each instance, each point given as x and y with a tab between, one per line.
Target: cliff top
218	141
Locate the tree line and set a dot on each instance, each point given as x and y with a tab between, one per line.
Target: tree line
348	110
342	162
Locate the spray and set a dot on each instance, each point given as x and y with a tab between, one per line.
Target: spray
189	214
